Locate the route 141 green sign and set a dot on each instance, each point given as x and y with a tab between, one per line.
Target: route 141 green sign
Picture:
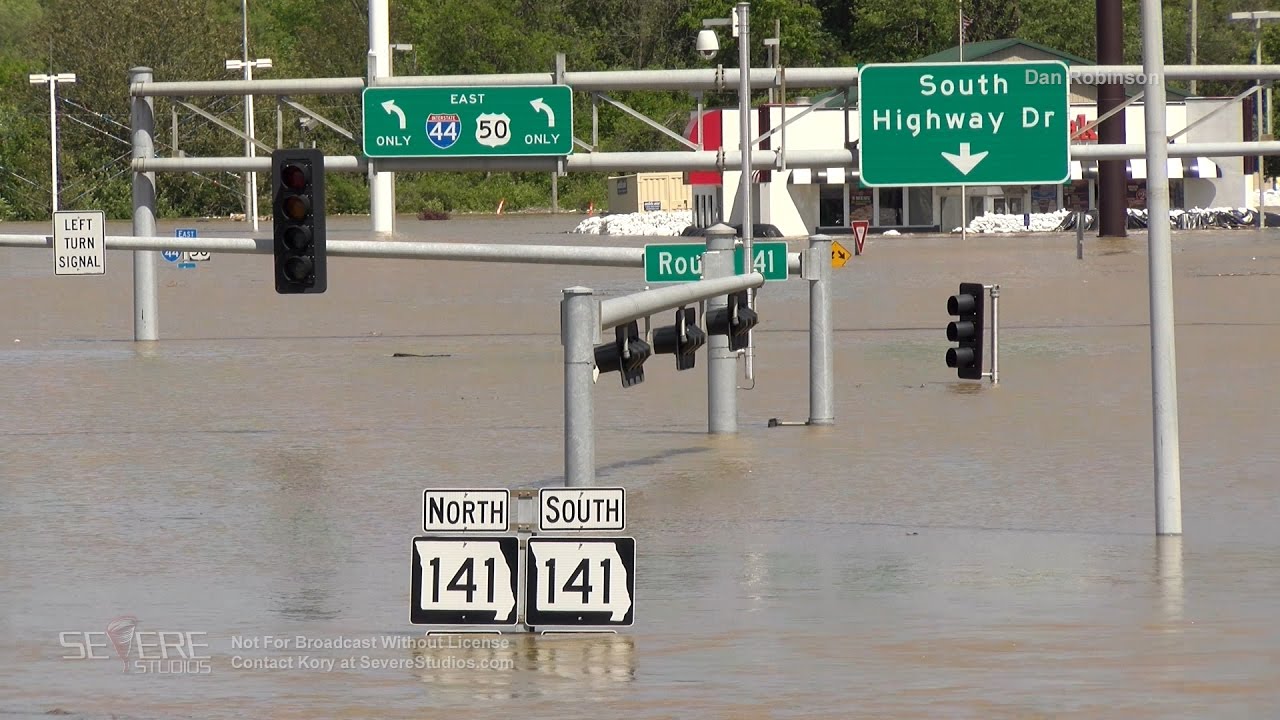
975	123
523	120
682	262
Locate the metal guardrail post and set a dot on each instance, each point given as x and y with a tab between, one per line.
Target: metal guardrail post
817	269
722	363
995	334
579	327
142	120
1081	217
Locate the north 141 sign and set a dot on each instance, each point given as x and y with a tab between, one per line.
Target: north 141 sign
464	580
974	123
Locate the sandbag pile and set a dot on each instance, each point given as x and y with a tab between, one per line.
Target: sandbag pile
669	224
1033	222
1221	218
1138	219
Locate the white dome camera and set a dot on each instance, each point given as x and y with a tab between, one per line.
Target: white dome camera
708	44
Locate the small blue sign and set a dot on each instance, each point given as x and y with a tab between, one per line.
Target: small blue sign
174	256
187	266
443	129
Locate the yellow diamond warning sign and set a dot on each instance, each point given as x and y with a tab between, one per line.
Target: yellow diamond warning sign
839	256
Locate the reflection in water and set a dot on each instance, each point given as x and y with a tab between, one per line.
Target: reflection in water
146	349
301	530
1169	581
968	388
560	666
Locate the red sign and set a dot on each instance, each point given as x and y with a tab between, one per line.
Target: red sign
1090	135
859	234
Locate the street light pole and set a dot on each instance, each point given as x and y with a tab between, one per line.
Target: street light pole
744	132
53	80
250	148
1257	16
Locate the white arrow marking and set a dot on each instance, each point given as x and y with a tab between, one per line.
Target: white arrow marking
964	162
390	107
540	106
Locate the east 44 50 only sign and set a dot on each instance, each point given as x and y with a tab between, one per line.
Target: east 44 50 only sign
963	124
468	121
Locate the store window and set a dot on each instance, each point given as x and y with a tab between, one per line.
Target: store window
977	206
831	205
861	203
920	202
1044	198
1009	205
890	206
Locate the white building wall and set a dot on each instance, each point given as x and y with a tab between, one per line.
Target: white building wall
1233	189
794	207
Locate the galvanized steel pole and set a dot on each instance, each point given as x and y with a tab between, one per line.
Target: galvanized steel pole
142	122
821	374
579	325
382	201
722	363
1164	374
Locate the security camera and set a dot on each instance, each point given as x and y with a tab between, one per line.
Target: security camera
708	44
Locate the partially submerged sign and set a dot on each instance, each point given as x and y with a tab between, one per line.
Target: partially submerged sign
464	581
79	242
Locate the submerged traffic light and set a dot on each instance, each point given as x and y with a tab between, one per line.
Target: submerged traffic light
297	183
736	321
625	355
682	339
968	306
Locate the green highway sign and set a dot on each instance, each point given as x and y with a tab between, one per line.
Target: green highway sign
468	121
682	262
974	123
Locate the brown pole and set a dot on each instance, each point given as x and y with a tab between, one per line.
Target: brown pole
1112	213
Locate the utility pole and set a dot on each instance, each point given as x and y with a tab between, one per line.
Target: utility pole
1113	215
53	80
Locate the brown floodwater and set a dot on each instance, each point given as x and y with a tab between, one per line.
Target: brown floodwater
947	549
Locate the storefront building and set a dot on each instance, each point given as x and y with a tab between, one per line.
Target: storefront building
798	201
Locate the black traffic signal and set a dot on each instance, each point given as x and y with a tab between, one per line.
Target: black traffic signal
736	321
969	307
682	339
297	191
625	355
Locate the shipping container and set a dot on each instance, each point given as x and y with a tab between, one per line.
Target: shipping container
649	192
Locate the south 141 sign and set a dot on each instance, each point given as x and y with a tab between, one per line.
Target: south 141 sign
977	123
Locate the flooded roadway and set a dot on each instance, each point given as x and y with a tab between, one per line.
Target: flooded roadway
948	549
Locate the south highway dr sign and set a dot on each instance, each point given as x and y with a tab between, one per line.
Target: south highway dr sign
974	123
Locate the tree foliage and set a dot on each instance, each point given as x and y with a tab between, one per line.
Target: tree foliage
191	40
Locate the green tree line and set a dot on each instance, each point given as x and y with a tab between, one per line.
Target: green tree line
190	40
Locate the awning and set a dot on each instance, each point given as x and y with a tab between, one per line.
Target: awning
1136	168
